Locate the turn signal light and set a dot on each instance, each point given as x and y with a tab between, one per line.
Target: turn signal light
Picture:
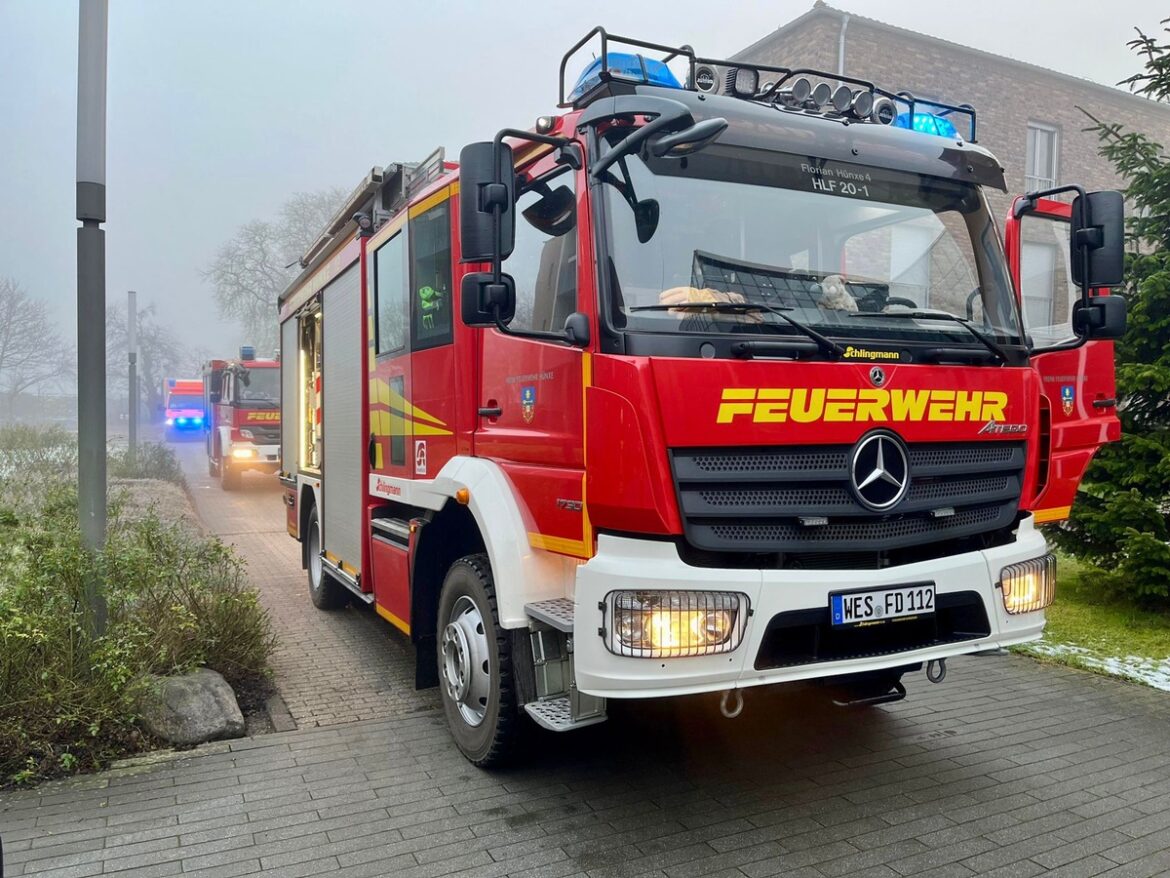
662	624
1028	586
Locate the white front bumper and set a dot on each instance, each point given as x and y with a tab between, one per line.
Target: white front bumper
623	563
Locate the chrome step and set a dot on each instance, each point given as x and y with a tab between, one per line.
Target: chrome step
556	715
557	612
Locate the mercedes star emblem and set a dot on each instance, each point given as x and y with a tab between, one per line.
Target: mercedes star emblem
880	471
878	376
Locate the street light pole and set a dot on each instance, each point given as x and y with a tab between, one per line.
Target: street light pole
132	354
91	294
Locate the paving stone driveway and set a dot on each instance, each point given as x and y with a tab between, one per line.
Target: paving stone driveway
1009	768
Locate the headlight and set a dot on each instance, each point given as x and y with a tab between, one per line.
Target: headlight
661	624
243	452
170	422
246	434
1028	586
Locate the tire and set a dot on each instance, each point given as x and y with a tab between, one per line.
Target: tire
325	592
479	702
212	468
232	477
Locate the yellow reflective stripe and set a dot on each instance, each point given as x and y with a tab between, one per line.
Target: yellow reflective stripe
430	201
392	619
557	544
1055	513
586	383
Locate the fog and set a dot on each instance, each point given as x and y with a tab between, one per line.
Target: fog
220	110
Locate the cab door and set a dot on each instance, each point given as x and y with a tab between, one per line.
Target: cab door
1078	405
532	391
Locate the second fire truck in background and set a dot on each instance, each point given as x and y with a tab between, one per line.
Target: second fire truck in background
242	431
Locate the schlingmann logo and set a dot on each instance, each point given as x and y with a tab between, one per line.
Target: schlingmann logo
852	353
803	405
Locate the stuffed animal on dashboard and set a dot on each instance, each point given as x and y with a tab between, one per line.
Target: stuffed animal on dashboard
835	295
704	296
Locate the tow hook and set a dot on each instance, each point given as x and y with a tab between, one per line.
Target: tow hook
936	670
731	696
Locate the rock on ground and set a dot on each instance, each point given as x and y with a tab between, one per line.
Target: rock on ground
192	708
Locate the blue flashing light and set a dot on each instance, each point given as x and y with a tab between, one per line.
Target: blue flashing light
197	421
180	421
927	123
624	65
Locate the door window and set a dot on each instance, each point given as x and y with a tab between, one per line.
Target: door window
390	294
1046	285
544	260
430	276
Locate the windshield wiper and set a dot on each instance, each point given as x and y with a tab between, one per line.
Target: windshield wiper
825	344
992	346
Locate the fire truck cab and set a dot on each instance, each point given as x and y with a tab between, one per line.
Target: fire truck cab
717	379
243	425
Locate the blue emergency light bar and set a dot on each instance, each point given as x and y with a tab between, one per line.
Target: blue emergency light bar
834	95
626	66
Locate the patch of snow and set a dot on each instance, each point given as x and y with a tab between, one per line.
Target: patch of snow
1151	672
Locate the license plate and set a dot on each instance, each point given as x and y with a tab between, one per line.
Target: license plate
881	605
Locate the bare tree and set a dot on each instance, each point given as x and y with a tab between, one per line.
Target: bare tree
252	268
160	355
32	351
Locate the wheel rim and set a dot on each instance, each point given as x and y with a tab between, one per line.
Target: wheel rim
466	668
315	556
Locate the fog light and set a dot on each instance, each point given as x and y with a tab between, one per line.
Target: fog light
170	422
661	624
1028	586
240	453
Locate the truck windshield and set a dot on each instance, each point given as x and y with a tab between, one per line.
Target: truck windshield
835	245
185	401
262	386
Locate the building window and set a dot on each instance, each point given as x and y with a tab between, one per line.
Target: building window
1040	161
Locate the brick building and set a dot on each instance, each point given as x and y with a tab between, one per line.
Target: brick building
1028	116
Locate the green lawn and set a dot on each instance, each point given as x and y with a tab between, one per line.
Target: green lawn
1087	629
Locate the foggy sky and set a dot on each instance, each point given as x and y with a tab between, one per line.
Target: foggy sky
220	109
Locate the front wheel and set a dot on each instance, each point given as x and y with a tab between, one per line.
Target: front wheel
232	477
475	665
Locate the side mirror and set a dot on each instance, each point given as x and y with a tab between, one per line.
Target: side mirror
577	329
1097	239
689	140
487	181
555	213
482	299
1100	317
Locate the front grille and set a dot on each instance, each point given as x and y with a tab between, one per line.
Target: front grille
800	500
264	435
803	637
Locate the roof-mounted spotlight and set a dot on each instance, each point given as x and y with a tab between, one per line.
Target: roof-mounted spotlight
364	222
796	93
545	124
884	111
842	98
822	93
743	82
862	104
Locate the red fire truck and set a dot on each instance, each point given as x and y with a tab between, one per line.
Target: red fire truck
243	422
719	378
